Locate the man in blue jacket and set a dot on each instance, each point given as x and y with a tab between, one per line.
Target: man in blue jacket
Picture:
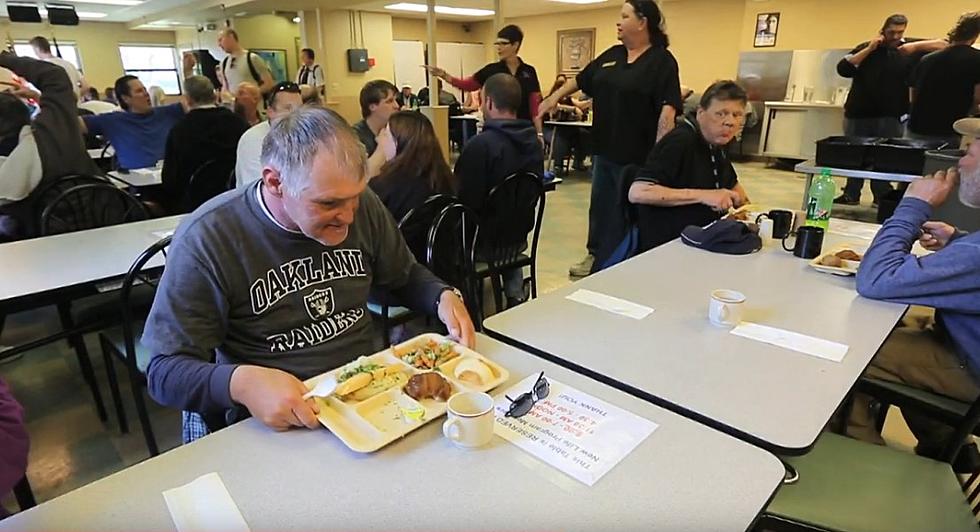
941	356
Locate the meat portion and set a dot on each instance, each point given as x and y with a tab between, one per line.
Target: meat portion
848	254
429	385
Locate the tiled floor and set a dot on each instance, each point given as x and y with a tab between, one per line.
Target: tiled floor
71	447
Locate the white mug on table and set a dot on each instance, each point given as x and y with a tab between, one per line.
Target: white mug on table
470	419
726	307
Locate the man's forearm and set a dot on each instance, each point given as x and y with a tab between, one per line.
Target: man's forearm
421	292
189	383
661	196
666	122
858	58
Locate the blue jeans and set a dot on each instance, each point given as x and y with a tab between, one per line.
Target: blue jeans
605	206
885	126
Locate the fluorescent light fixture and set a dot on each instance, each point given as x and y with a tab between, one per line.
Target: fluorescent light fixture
106	2
579	1
241	13
296	19
442	10
81	14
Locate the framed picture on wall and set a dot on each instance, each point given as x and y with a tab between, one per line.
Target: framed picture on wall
766	28
276	59
576	49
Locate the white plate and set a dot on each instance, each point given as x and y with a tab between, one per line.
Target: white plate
366	426
850	267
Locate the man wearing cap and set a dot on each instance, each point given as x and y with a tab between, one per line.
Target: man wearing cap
687	178
406	100
943	356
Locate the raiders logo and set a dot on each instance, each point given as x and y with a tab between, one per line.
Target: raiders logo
319	303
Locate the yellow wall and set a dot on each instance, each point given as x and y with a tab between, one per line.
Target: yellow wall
98	44
820	24
413	29
703	37
271	32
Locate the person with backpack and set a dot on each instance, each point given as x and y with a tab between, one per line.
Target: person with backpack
241	65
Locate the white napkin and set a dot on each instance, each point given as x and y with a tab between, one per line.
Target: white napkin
610	303
204	505
802	343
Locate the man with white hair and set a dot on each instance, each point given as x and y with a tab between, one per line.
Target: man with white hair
943	357
274	278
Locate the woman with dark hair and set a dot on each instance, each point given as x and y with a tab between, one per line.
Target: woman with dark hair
508	43
636	95
565	141
418	169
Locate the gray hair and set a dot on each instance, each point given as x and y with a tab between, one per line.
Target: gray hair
199	90
296	138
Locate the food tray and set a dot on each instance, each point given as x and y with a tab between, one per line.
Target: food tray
850	267
368	425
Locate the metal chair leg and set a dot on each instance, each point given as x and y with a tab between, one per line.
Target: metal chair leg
24	494
110	369
77	341
136	384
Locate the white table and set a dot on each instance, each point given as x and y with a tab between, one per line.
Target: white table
466	126
684	476
810	169
101	153
773	397
142	177
587	124
52	263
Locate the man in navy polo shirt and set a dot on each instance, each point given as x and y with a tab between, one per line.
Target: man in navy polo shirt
139	133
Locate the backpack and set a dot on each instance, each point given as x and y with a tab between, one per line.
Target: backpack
251	68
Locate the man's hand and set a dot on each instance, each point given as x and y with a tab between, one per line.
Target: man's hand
934	189
453	313
874	43
935	235
189	62
546	106
437	72
720	199
274	397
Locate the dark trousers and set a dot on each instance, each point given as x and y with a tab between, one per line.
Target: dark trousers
605	209
885	126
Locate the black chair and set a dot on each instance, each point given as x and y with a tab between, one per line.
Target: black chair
123	341
415	227
846	484
209	180
513	210
24	494
88	206
449	254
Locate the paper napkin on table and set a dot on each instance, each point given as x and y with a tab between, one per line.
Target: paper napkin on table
204	505
802	343
610	303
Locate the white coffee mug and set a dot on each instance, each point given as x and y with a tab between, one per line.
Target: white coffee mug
470	419
726	307
765	230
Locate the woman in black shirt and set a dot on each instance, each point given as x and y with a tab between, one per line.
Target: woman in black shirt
636	95
418	169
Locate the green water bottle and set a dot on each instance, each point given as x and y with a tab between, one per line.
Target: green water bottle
820	198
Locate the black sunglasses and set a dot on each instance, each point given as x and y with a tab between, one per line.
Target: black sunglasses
524	402
285	86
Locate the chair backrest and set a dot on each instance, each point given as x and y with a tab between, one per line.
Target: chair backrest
416	224
209	180
88	206
513	210
449	253
139	274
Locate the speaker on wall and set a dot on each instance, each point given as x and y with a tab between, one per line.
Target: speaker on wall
62	15
23	13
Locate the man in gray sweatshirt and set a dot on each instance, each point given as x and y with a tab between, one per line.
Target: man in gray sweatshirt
273	279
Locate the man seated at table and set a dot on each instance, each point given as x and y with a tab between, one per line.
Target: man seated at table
378	103
139	133
284	99
48	147
942	357
207	133
687	178
507	145
274	279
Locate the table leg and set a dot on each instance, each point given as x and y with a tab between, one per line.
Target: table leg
806	189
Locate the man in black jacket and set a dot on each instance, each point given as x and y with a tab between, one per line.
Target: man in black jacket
879	96
206	133
507	145
46	148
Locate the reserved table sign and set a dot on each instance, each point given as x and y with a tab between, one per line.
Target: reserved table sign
580	435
